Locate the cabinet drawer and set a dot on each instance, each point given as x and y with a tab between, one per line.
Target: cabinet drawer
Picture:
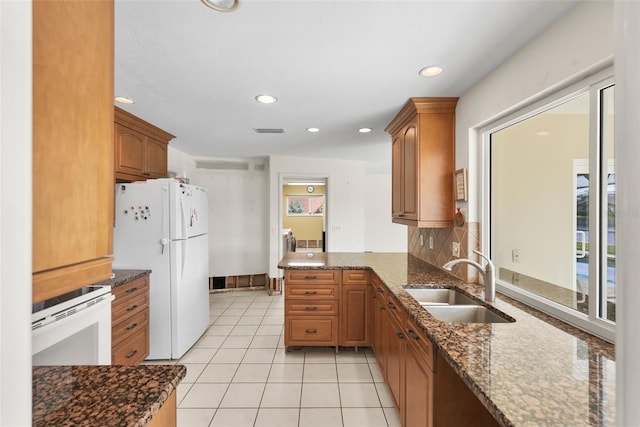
129	326
130	307
307	308
129	290
132	350
312	331
355	277
311	291
302	277
395	309
424	344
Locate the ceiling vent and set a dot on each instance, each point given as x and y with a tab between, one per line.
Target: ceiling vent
268	130
222	164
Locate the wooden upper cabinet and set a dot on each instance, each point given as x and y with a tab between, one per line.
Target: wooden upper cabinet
423	162
72	144
140	148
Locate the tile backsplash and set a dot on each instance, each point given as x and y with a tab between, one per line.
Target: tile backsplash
468	236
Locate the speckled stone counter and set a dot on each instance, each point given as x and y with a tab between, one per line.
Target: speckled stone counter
536	371
101	395
124	276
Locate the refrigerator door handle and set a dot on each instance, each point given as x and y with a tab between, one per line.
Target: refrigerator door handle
183	212
165	207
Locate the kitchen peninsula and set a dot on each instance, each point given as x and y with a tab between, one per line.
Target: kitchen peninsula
534	371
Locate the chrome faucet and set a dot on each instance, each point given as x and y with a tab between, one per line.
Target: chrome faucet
487	272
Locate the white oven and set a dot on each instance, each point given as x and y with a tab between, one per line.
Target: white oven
73	329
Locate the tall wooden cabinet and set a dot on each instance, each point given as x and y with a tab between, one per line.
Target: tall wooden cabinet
72	144
140	148
423	162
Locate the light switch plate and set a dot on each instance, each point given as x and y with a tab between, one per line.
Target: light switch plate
455	249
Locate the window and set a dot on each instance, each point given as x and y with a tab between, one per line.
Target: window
305	205
551	199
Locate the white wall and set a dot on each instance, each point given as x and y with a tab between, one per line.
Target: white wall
238	214
627	107
381	235
15	213
566	52
345	202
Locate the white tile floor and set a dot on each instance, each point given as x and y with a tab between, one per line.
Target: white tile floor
238	374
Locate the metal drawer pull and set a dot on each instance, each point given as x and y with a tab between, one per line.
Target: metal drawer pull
135	325
311	331
131	290
391	306
311	308
130	355
400	335
310	292
380	290
310	277
133	307
413	335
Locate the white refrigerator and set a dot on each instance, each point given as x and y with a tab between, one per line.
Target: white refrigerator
161	225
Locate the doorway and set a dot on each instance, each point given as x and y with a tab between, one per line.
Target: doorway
304	214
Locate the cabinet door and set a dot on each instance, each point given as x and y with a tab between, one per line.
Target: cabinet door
418	388
396	175
72	144
130	151
381	327
410	158
394	340
354	330
156	159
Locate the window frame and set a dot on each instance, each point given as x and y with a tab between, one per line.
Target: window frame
592	84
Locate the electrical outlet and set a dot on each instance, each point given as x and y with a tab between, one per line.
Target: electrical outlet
455	249
431	242
421	240
515	255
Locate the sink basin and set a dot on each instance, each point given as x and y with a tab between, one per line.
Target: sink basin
433	296
466	314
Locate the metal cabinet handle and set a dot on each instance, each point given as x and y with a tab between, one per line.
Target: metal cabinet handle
135	325
311	331
310	293
133	307
413	335
391	306
130	355
310	277
311	308
400	335
132	290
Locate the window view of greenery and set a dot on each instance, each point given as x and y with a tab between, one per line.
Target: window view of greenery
305	205
547	239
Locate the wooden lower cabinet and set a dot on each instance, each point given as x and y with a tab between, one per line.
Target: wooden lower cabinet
354	311
130	322
425	389
419	379
167	415
394	345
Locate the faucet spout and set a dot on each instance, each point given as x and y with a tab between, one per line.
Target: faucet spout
488	275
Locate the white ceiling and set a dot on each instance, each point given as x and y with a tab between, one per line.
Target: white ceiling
336	65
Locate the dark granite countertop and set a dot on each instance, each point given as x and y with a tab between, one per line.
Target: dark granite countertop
101	395
535	371
121	277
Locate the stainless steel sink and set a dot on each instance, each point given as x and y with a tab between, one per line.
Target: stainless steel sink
435	296
466	314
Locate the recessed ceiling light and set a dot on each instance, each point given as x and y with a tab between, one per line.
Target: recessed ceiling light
364	130
123	100
222	5
431	71
266	99
543	133
313	130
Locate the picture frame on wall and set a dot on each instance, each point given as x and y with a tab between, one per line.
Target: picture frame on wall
460	185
